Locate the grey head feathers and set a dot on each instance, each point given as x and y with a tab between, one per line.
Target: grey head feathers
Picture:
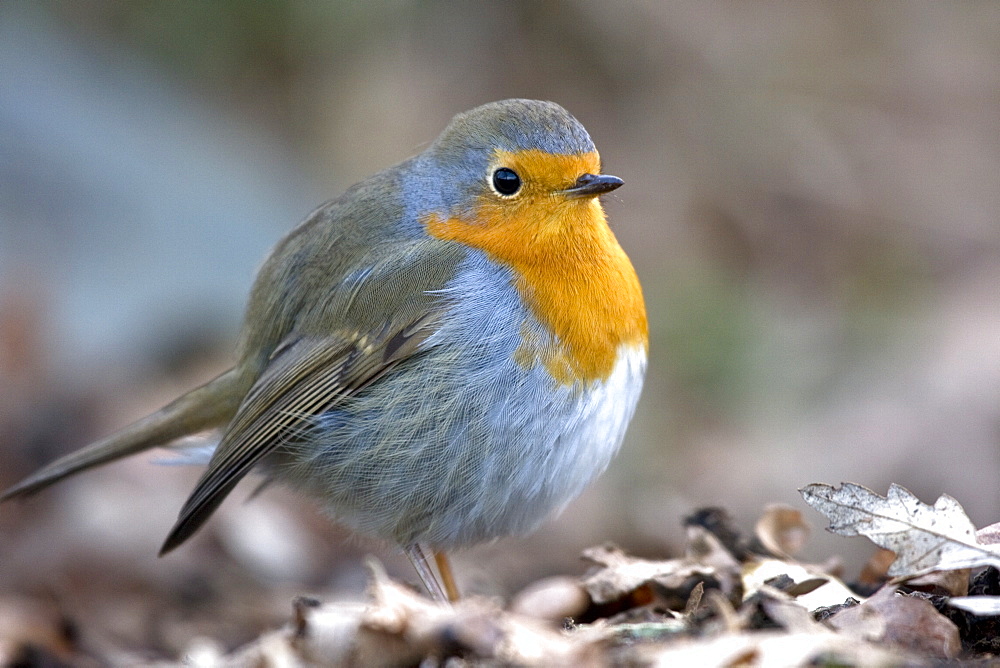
455	167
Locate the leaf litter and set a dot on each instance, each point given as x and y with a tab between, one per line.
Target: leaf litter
931	593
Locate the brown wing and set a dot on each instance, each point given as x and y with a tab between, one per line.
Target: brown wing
304	378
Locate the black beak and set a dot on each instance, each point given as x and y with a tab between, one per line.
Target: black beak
590	185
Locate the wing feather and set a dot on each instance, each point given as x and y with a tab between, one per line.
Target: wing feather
305	378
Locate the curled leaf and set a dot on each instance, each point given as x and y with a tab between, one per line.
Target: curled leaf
782	530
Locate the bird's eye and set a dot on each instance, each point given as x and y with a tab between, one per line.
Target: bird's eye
506	181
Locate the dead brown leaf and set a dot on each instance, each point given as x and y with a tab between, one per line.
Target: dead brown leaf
619	575
782	530
876	570
942	583
905	622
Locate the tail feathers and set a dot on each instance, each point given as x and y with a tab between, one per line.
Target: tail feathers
211	405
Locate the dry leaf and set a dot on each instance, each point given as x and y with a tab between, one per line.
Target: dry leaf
906	622
925	538
828	591
782	530
989	535
621	574
553	599
705	560
983	606
788	613
772	648
942	583
705	548
33	632
876	570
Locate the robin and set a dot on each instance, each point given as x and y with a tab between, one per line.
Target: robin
445	354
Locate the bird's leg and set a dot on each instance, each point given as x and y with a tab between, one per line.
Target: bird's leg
447	576
426	573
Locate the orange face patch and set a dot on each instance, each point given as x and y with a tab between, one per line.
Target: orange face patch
571	271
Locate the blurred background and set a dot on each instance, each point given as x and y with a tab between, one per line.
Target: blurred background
811	203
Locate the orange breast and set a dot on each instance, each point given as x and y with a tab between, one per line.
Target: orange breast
570	270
